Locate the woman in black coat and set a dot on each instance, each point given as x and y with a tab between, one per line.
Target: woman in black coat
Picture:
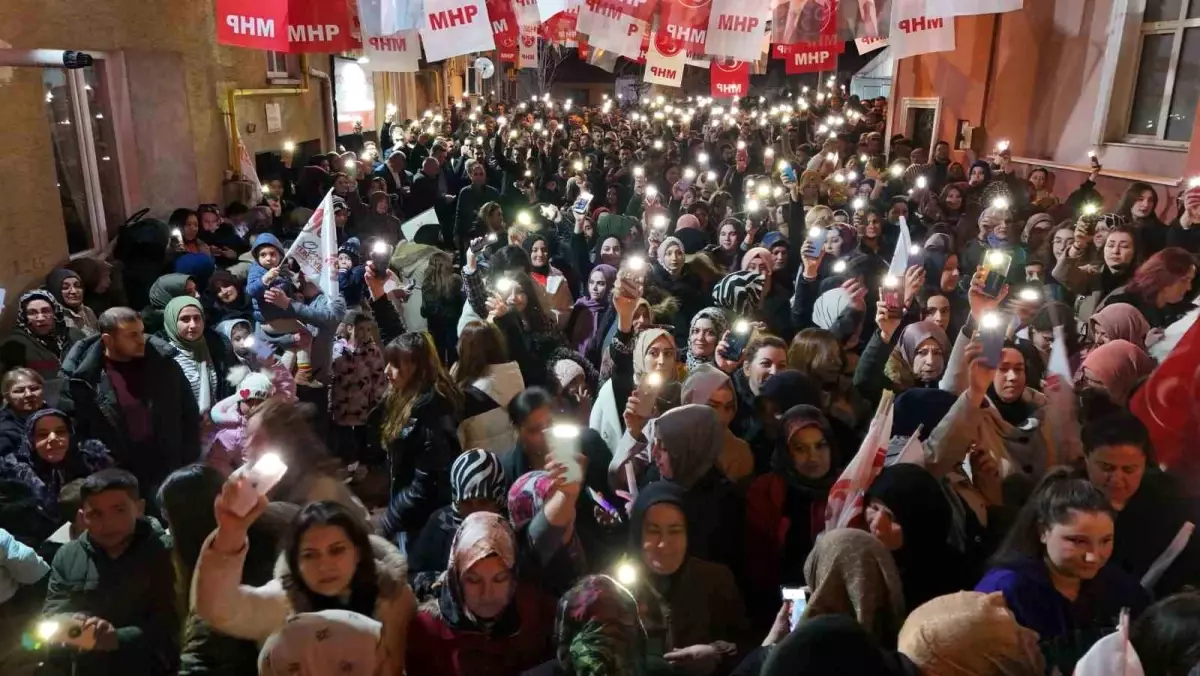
418	420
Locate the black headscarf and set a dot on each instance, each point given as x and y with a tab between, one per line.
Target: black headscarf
1017	412
528	246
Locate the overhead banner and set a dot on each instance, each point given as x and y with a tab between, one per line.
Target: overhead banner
809	58
528	57
257	24
729	78
503	20
795	21
394	15
914	31
454	27
610	31
687	21
665	60
868	45
736	28
971	7
546	9
399	53
562	26
316	27
507	47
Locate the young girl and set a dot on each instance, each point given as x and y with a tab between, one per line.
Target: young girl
357	386
227	450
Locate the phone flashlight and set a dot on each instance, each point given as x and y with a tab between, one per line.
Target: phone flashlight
177	233
658	144
858	203
651	191
702	158
626	574
922	182
639	172
1030	294
896	170
504	285
524	218
1000	203
660	222
1091	209
636	263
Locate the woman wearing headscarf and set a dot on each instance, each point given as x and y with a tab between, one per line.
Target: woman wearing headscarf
476	485
707	330
377	221
775	308
675	276
970	633
200	353
41	337
67	288
50	457
832	645
226	299
693	614
941	279
919	359
484	620
709	386
1119	321
321	643
852	573
164	289
558	291
979	176
1116	368
597	631
785	509
583	328
543	515
908	512
99	290
652	350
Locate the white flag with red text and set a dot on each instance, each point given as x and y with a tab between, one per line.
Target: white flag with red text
315	248
915	30
397	53
454	27
665	60
248	171
527	55
736	28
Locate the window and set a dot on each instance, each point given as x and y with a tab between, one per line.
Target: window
1166	79
473	78
80	116
282	66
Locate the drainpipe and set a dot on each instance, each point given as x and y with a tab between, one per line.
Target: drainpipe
306	75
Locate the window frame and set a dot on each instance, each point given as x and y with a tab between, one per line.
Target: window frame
1126	39
291	72
472	82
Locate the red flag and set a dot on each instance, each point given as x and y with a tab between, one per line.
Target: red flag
729	78
507	46
561	26
583	48
320	27
1167	404
503	18
257	24
687	20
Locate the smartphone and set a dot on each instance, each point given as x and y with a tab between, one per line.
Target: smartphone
689	177
381	256
581	203
799	598
482	243
647	391
893	298
598	498
633	269
997	264
992	332
562	442
916	255
788	172
816	239
66	630
739	337
263	475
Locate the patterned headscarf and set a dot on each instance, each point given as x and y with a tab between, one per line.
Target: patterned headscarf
598	631
527	497
481	535
829	306
56	340
852	573
739	292
475	475
323	643
715	315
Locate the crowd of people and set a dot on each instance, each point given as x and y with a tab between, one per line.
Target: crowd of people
587	401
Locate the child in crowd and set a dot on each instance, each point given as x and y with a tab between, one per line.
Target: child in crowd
358	384
351	273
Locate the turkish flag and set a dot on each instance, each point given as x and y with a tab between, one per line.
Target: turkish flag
1167	404
257	24
320	27
729	78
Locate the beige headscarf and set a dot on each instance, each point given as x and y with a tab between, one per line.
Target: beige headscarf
641	347
852	573
970	634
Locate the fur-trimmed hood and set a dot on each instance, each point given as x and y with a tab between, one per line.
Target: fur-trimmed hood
391	570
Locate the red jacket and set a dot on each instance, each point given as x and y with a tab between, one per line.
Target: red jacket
435	649
767	525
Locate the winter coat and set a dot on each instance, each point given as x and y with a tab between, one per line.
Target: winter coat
777	516
419	460
134	592
22	349
174	419
411	262
45	481
358	382
485	418
12	431
254	613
